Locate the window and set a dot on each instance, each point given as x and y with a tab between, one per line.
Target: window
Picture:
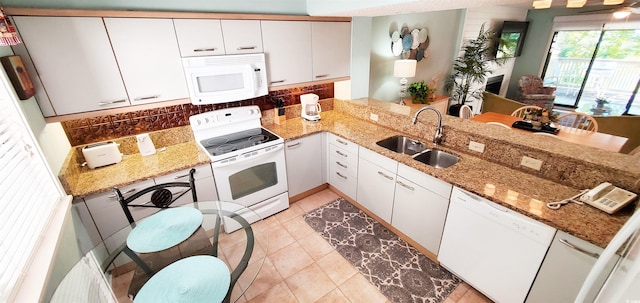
29	194
596	63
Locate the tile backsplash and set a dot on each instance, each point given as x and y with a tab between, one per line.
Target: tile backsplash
108	127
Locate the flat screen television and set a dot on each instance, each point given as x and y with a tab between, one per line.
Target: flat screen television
511	39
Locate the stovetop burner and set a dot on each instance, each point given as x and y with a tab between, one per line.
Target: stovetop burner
236	141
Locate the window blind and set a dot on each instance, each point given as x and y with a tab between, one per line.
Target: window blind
28	193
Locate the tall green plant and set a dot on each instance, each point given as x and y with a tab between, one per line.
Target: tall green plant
471	69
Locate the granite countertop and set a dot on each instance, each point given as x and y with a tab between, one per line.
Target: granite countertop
83	181
519	191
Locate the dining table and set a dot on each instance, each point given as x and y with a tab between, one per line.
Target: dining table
223	239
594	139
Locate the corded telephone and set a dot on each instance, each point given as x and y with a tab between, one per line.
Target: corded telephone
608	198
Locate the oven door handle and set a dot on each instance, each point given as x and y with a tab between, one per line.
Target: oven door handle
240	158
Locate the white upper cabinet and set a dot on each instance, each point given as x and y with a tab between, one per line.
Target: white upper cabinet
242	36
75	62
331	44
287	45
199	37
149	59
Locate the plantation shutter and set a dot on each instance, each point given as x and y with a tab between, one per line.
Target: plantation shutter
28	193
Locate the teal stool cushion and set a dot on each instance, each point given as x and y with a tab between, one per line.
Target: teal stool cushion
165	229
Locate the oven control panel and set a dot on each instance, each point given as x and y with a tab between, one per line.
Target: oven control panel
226	117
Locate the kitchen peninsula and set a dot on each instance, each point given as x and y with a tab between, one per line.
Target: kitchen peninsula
521	191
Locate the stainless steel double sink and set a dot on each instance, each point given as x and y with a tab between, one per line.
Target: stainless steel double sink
433	157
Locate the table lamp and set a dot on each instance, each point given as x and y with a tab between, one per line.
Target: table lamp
404	69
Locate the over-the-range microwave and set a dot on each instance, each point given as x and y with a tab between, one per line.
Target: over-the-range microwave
220	79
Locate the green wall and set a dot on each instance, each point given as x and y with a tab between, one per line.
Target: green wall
290	7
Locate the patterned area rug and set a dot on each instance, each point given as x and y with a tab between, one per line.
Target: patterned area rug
398	270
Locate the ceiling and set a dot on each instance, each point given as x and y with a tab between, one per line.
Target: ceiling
394	7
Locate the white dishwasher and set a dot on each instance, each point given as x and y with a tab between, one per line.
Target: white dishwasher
494	249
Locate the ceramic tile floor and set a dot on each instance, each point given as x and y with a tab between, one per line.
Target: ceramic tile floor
300	266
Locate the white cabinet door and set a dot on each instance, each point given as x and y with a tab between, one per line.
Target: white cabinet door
419	211
199	37
331	44
149	59
205	186
242	36
287	46
564	269
304	163
107	212
75	62
376	183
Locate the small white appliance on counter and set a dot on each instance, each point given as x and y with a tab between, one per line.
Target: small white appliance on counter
221	79
310	107
145	145
248	161
101	154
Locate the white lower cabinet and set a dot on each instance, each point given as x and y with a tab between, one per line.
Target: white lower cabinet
420	206
304	163
564	269
107	213
343	165
376	183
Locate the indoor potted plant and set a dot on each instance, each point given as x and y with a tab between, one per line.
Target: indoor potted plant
470	70
420	92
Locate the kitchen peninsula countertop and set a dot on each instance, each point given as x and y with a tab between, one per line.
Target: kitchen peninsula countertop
522	192
519	191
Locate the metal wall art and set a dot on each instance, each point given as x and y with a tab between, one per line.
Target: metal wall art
410	44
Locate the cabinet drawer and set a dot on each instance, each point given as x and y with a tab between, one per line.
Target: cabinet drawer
378	159
344	180
205	186
430	183
344	157
107	212
343	143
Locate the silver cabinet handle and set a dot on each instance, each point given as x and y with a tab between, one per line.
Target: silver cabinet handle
246	47
405	185
146	98
341	154
341	176
341	165
205	49
293	145
322	76
103	103
582	250
342	142
124	193
180	176
385	175
277	81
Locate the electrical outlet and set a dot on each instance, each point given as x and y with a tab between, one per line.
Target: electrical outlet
475	146
373	117
531	163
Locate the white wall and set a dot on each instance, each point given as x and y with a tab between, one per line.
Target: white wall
443	32
360	56
492	17
51	137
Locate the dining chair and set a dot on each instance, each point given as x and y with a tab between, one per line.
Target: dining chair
466	112
577	122
522	111
499	124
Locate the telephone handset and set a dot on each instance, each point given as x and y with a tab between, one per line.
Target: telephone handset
608	198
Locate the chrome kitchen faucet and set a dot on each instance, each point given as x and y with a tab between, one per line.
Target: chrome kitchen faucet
437	139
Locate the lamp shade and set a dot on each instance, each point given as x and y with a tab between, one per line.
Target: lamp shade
404	68
612	2
576	3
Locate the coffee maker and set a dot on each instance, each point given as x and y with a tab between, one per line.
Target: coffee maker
310	107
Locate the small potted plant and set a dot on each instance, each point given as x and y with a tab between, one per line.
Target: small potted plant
420	92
